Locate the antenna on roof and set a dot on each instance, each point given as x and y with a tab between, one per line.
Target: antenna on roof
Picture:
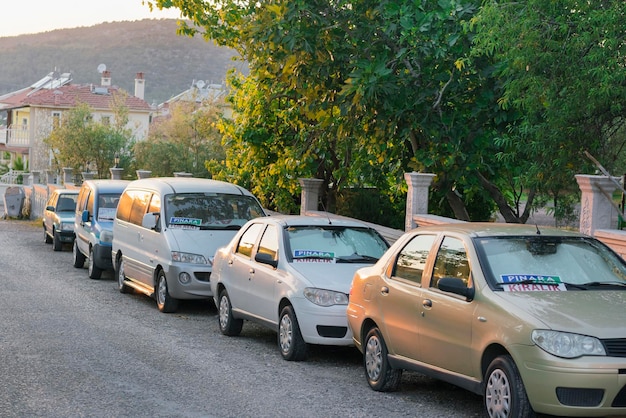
102	68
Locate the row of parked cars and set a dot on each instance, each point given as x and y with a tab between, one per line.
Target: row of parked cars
531	318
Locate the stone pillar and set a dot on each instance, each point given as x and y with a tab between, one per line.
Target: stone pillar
596	209
116	173
88	175
417	196
182	174
310	195
68	172
143	174
51	177
36	176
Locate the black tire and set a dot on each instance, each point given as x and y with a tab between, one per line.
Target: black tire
57	244
379	374
77	256
165	302
290	342
504	395
228	324
46	238
121	277
94	271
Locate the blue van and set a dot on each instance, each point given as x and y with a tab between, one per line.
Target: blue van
93	224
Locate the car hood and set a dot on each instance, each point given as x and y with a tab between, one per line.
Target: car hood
204	242
599	313
66	217
330	276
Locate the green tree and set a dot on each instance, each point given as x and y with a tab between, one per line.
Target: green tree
182	141
79	139
562	68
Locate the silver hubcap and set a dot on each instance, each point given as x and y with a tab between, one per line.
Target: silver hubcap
224	311
498	395
162	291
373	358
286	333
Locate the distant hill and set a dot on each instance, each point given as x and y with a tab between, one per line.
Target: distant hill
170	62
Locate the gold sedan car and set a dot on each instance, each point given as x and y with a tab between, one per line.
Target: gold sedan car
531	318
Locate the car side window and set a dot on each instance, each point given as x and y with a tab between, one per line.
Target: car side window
140	204
90	200
269	243
412	258
248	239
123	209
451	261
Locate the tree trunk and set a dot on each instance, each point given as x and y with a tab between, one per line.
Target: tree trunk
495	193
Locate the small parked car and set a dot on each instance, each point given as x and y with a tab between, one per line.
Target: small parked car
531	318
292	274
93	224
58	218
166	232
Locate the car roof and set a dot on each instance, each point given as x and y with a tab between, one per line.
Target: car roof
105	185
301	220
490	229
167	185
66	191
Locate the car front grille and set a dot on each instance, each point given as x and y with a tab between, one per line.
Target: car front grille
579	396
615	347
203	276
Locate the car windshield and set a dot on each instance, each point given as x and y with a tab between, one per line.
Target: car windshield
557	261
210	210
66	203
335	244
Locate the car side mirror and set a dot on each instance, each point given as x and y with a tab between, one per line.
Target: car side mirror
456	286
84	217
50	208
265	258
150	220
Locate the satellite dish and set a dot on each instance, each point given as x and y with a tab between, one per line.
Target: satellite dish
101	68
200	84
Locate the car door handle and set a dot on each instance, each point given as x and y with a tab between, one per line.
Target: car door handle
230	262
427	303
251	271
384	290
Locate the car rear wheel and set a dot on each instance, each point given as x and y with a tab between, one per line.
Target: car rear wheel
228	324
290	341
57	244
165	302
121	277
379	373
78	257
46	238
504	393
94	271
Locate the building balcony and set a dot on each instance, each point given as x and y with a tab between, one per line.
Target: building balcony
15	137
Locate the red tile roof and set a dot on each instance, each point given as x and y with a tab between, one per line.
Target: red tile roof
68	96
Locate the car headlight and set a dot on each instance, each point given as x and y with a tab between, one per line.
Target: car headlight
65	226
106	236
566	344
324	297
188	258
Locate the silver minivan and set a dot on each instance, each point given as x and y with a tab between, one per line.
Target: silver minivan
166	231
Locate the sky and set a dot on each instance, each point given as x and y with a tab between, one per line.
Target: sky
34	16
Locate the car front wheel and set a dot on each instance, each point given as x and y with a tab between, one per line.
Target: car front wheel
228	324
57	244
290	341
46	238
504	393
379	373
165	302
79	258
94	271
121	277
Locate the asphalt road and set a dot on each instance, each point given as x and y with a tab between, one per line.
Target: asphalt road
75	347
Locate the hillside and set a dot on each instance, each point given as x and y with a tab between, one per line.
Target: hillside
170	62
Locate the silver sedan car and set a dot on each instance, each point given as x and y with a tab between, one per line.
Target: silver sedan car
292	274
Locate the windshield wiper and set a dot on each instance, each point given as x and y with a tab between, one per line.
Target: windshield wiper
602	284
357	258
